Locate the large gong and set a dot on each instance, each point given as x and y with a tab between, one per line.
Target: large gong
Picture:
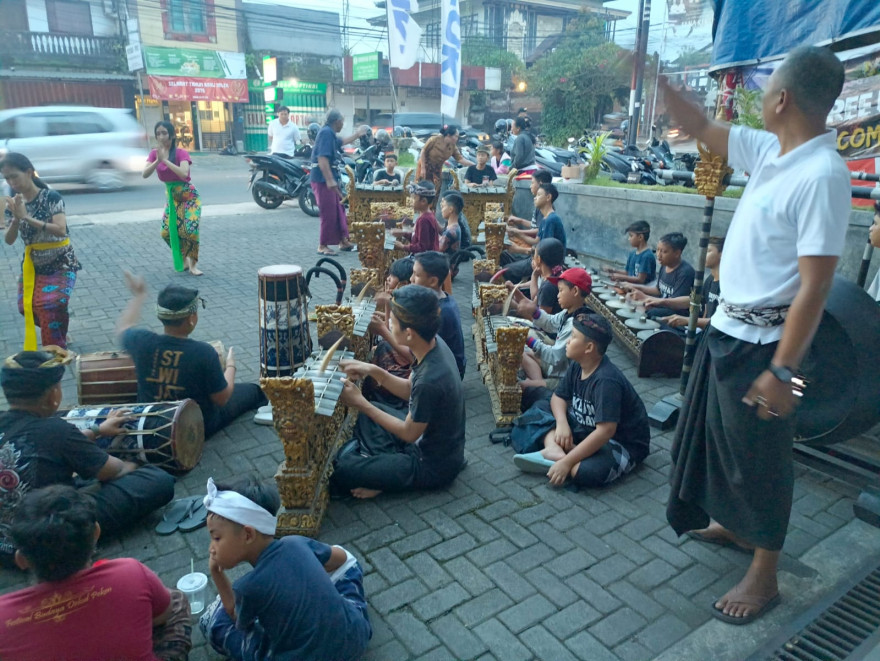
842	369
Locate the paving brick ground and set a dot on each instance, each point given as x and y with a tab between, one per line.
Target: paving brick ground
497	566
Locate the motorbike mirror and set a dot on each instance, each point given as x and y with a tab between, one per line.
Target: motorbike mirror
571	141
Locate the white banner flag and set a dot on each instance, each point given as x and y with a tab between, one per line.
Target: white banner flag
404	33
450	57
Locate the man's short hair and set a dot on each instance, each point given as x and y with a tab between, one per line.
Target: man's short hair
542	176
54	528
454	198
814	76
418	308
391	154
434	263
640	227
176	298
675	240
718	242
283	109
402	268
551	190
551	251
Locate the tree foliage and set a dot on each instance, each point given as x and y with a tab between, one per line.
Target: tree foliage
480	52
580	80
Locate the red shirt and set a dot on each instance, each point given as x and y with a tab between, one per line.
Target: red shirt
101	613
426	234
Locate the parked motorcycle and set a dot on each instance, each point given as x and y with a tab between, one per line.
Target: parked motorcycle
275	179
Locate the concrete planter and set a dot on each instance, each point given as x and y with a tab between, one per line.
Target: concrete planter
595	218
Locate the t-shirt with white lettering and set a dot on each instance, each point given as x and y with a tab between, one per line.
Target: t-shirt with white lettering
679	282
283	136
606	396
795	205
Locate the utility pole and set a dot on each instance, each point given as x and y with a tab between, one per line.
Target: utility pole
345	41
641	51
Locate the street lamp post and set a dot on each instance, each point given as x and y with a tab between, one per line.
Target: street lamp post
635	95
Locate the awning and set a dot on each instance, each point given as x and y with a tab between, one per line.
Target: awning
182	88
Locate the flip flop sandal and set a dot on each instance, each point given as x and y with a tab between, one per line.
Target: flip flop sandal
719	541
197	518
174	513
347	248
748	600
328	253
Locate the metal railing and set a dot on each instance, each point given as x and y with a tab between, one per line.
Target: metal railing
49	46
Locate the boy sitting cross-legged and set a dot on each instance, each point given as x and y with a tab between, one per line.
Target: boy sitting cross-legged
601	428
303	600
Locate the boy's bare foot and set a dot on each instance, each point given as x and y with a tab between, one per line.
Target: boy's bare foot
363	493
718	534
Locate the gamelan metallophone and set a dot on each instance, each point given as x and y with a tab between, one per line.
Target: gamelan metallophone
362	195
350	320
499	343
655	351
312	425
476	199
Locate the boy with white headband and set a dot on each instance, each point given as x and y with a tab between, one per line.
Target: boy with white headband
303	600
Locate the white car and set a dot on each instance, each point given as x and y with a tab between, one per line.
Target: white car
100	147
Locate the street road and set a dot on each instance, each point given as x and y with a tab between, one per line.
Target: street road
219	180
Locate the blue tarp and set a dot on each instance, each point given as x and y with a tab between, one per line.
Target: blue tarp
750	31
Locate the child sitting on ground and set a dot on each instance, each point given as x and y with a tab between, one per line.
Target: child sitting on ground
480	174
711	288
387	177
112	609
303	600
548	361
521	226
392	357
601	428
425	234
431	270
451	205
674	282
546	268
641	265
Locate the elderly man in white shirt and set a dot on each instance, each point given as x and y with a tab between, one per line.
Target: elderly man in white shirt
732	453
283	134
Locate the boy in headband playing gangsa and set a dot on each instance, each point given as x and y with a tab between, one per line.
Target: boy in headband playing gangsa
304	600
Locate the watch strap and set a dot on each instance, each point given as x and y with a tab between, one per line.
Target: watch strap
784	374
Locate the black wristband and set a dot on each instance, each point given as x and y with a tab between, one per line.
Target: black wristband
784	374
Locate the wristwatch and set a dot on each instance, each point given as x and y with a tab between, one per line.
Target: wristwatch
96	430
784	374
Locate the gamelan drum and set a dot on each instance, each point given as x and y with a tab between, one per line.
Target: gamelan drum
108	377
169	435
285	342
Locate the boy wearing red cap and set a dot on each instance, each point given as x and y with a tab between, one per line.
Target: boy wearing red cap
601	429
541	360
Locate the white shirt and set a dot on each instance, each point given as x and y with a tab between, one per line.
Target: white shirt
874	288
796	205
283	137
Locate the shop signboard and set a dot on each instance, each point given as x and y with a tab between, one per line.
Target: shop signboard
194	63
365	66
182	88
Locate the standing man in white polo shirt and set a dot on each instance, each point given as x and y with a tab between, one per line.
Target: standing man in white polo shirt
283	134
732	454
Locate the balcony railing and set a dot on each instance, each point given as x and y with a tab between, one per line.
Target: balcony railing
54	49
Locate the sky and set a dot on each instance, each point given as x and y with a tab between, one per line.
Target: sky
667	35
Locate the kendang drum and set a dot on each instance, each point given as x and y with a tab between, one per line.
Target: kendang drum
285	342
169	435
109	377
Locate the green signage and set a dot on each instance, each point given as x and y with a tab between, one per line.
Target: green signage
301	87
365	66
194	63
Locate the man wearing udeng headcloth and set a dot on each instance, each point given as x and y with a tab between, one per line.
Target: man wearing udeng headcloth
172	366
39	449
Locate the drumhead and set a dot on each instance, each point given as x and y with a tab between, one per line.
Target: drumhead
280	271
188	435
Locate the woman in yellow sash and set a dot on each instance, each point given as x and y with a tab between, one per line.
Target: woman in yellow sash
49	267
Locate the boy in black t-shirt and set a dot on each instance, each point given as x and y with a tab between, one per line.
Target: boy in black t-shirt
480	174
171	366
424	449
387	177
601	428
674	282
711	288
